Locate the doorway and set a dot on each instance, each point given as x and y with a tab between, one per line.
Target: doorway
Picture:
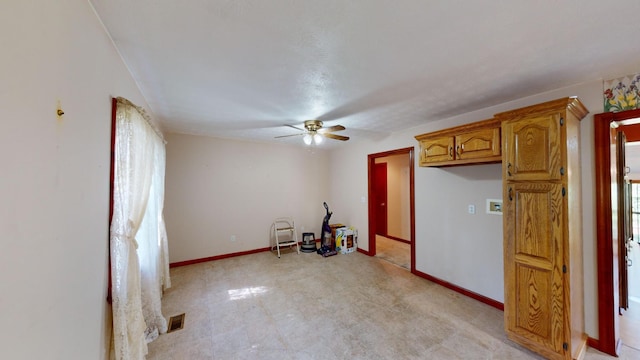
611	235
633	154
630	320
391	207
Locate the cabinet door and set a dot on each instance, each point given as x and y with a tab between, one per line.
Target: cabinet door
437	149
534	306
531	148
478	144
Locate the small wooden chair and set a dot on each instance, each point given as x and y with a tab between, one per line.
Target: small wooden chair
284	229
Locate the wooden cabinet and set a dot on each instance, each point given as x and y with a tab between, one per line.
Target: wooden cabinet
543	306
538	143
474	143
437	149
478	144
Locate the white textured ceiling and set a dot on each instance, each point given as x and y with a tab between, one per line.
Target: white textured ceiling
244	68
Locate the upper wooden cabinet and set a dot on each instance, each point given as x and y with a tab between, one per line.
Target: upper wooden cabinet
532	151
436	150
474	143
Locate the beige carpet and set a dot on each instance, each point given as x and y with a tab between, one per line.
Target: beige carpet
304	306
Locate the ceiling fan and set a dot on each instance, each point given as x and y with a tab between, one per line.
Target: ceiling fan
314	132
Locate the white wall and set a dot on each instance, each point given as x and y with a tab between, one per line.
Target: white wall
216	188
54	185
451	244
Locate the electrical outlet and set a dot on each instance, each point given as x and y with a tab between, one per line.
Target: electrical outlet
233	238
472	209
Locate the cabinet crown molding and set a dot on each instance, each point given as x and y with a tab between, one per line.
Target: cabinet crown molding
483	124
570	104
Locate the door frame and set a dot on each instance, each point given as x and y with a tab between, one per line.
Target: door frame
607	274
371	161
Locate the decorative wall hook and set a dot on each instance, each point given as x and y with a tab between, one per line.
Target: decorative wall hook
59	111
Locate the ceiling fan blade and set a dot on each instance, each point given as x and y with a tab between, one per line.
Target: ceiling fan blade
283	136
295	127
331	128
336	137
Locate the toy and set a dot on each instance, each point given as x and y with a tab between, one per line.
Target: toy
346	240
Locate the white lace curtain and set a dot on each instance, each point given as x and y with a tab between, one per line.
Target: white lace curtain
139	252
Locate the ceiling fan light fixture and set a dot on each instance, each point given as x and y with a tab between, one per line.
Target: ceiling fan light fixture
314	134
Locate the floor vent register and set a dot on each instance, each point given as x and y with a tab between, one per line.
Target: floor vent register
176	323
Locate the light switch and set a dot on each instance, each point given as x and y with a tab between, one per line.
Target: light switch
472	209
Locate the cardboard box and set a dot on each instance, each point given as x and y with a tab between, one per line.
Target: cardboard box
346	240
334	227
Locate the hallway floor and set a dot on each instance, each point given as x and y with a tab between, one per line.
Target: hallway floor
394	251
304	306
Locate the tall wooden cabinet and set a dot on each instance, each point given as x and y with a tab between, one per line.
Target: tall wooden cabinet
543	306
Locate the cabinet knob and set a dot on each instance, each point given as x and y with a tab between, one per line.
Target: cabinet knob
509	169
451	152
